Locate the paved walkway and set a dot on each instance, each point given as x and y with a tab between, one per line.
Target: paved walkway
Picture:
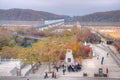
58	78
90	66
6	67
39	72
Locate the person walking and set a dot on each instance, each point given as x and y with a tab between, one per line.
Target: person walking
97	57
63	66
57	68
64	70
53	74
102	60
46	75
107	54
107	70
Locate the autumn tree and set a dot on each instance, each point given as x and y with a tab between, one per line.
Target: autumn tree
5	37
74	46
29	56
10	52
84	35
87	51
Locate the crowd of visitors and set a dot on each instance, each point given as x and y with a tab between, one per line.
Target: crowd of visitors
74	68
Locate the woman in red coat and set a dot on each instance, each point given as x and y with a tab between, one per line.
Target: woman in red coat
107	70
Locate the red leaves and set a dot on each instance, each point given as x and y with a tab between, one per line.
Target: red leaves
117	46
87	50
84	35
80	38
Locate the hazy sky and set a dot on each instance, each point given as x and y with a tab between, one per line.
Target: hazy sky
64	7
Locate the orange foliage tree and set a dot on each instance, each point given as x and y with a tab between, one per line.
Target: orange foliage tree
87	50
84	35
74	46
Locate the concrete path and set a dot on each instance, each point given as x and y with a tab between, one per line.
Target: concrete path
90	66
40	72
58	78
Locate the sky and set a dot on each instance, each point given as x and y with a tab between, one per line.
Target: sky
63	7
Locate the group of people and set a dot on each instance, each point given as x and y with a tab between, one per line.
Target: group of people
102	61
53	75
63	68
74	68
70	68
57	69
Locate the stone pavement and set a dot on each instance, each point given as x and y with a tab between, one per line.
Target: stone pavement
7	66
89	65
40	71
58	78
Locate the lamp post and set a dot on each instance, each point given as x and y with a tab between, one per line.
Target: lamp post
49	67
0	59
20	68
49	61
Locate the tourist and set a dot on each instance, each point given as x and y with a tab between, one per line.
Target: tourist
64	71
107	70
107	54
102	60
46	75
57	68
53	74
97	57
79	67
63	66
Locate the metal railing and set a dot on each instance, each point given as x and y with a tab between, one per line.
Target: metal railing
116	58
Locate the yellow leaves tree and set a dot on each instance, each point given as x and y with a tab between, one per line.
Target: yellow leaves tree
29	56
50	50
10	52
74	46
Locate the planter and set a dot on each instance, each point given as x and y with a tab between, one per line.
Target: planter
104	75
84	74
96	74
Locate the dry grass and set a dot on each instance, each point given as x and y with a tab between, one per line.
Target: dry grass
113	32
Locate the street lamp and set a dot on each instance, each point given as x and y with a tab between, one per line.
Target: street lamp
49	58
0	59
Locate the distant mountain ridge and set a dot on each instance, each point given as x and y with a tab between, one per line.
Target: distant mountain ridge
32	15
109	16
27	15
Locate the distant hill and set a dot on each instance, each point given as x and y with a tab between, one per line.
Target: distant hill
27	15
32	15
109	16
